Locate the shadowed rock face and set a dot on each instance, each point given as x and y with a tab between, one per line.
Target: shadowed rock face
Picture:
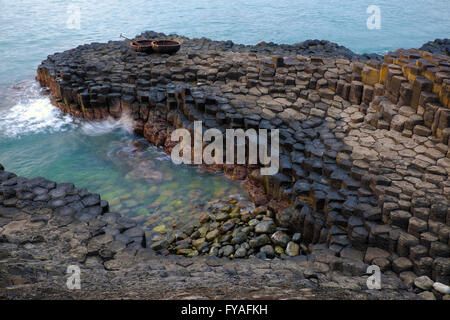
438	46
364	158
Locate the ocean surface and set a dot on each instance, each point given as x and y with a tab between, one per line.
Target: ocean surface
36	139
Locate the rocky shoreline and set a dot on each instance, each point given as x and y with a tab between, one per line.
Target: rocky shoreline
364	159
438	46
41	235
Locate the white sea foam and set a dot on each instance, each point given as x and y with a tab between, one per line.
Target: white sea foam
98	128
32	113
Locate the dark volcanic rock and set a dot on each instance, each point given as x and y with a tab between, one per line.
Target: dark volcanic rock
438	46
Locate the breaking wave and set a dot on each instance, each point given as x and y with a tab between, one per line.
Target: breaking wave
98	128
31	113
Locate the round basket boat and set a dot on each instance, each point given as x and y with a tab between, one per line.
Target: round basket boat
143	45
166	46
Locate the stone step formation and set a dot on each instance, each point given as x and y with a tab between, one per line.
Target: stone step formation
46	227
364	159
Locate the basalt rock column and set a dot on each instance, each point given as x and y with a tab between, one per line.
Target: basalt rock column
364	163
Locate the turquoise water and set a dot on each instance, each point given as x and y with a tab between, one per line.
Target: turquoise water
36	139
137	179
